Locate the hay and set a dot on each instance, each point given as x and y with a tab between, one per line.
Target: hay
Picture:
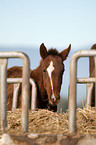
45	121
86	120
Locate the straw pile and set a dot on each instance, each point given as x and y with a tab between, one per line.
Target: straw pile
86	122
45	121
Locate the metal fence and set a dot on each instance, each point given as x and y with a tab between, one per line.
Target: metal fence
16	82
25	80
4	56
73	86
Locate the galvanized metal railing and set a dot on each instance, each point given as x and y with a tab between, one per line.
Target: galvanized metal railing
16	82
73	85
3	88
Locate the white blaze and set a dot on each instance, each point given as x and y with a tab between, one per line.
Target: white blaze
50	69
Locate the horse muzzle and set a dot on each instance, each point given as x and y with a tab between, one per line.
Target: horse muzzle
54	100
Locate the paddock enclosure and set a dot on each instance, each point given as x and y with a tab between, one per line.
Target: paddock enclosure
41	121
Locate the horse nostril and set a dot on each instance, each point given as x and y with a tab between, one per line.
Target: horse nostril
53	99
58	98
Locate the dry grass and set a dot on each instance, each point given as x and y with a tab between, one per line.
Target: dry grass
45	121
86	122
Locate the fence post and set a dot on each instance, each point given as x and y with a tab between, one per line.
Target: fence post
72	95
25	92
3	95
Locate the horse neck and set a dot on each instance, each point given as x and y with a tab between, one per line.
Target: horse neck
37	75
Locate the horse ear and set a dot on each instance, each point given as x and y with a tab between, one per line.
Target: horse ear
43	51
65	52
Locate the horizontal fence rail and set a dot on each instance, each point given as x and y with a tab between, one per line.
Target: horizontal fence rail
86	80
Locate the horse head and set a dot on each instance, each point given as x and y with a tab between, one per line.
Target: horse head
52	70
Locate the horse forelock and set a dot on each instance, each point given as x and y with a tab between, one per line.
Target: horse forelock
93	46
53	52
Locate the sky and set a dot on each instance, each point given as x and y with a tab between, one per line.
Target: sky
56	23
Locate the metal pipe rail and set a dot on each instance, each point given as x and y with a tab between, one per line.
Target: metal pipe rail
73	85
34	91
86	80
3	87
89	86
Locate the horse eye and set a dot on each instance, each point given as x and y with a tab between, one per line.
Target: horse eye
44	70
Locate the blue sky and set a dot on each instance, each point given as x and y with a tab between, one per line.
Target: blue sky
57	23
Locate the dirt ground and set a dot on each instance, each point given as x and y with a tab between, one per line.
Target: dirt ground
48	139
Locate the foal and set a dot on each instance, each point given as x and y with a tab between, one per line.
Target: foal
48	77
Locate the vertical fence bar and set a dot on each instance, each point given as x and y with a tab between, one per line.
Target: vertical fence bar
72	96
15	95
25	93
34	95
89	87
3	93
